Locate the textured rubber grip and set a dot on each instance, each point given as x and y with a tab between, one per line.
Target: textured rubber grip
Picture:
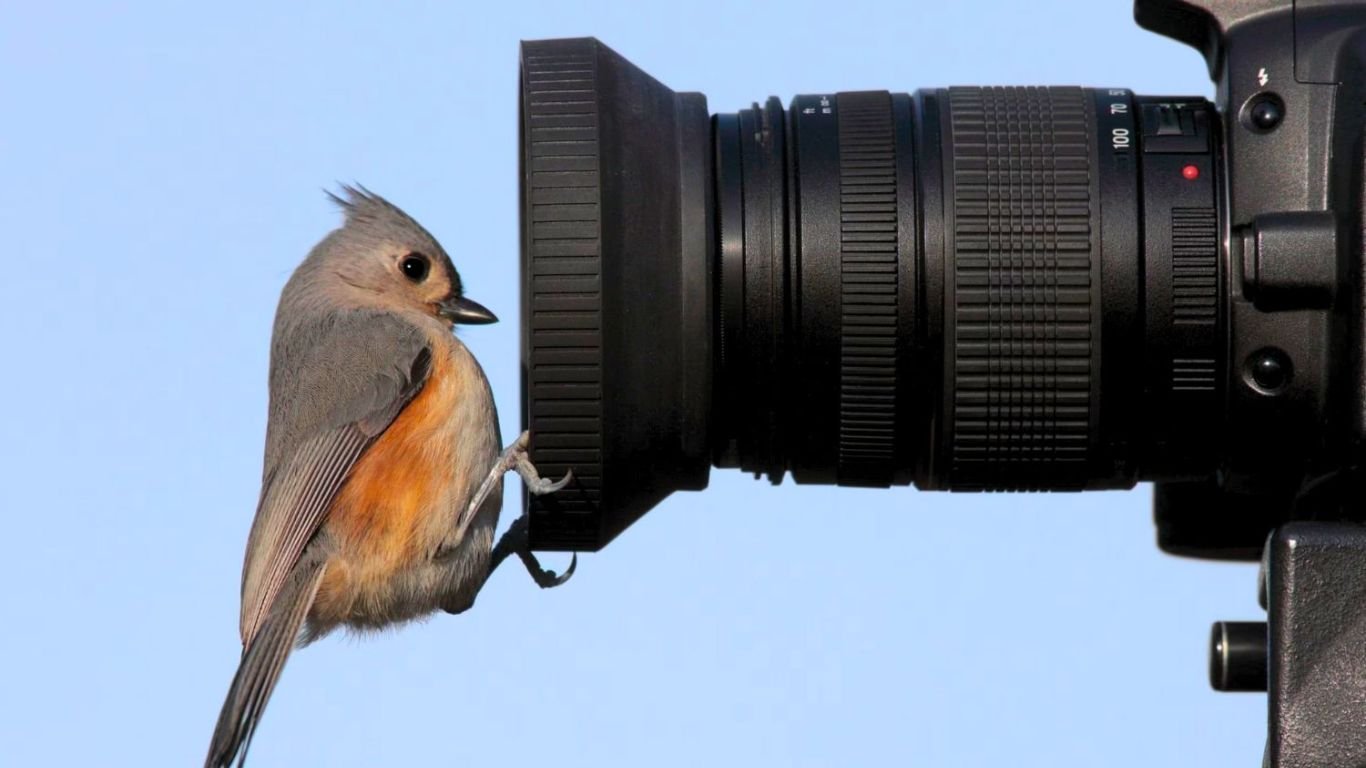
1023	310
868	288
563	249
1195	293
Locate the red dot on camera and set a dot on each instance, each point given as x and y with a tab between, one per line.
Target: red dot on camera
1190	173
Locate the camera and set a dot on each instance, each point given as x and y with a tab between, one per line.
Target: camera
982	289
965	289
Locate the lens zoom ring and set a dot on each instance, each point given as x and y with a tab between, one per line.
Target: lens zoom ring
564	361
1022	312
868	288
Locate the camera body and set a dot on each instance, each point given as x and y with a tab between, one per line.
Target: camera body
1289	90
964	289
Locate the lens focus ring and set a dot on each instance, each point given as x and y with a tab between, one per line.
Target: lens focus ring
868	288
1022	309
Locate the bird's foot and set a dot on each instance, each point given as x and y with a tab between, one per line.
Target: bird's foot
515	457
518	457
516	541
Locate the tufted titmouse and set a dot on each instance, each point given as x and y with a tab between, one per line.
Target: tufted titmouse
383	478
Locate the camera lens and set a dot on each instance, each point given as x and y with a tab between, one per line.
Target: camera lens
867	288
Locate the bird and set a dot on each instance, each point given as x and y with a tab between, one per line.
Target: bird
382	476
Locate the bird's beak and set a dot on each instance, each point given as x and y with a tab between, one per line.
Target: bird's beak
461	310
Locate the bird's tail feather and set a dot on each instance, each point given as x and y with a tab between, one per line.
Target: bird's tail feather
262	661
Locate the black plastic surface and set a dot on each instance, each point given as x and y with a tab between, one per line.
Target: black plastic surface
1290	260
753	289
616	289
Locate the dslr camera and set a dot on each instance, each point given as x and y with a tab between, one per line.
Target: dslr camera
982	289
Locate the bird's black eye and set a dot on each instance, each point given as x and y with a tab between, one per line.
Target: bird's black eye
415	267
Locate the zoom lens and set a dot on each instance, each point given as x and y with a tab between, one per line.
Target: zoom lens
864	288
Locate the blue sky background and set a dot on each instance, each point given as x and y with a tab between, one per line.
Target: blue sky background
163	167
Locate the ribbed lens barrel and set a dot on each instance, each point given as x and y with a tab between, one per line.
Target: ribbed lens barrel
1023	278
871	211
816	218
955	288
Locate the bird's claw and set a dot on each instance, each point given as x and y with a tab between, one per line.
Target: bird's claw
540	486
544	577
519	458
516	541
515	457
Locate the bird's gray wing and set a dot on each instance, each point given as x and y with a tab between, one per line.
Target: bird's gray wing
336	384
